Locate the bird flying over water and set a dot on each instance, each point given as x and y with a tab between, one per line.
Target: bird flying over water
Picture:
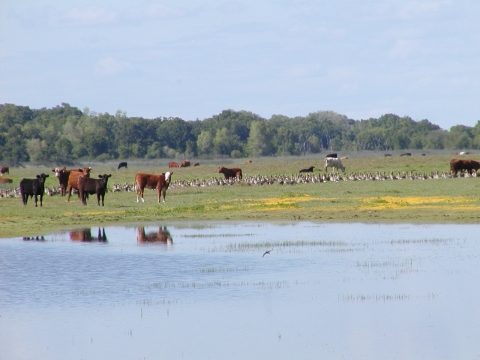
266	252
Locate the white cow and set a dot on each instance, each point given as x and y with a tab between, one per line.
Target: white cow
334	163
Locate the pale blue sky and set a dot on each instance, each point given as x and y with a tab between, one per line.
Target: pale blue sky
193	59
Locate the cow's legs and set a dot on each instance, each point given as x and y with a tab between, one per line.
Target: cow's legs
140	195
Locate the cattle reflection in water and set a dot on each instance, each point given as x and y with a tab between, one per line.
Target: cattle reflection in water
34	238
86	235
162	236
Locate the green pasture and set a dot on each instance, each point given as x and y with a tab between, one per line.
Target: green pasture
450	200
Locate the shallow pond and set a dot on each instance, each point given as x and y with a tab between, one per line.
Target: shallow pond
208	291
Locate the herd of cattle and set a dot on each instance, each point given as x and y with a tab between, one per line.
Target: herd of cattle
79	181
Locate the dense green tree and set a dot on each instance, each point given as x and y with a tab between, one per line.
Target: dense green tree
284	141
205	143
12	114
259	142
224	142
64	134
15	148
175	133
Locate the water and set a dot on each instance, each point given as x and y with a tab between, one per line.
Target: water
204	290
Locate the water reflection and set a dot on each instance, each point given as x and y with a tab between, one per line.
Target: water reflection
86	235
34	238
162	236
332	291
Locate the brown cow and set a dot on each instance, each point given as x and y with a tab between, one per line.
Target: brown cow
150	181
196	164
6	181
172	164
248	162
161	236
457	165
230	173
185	163
68	179
4	170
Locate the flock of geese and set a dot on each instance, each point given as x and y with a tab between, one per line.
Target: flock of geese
281	179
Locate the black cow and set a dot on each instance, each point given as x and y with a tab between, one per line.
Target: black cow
93	186
310	169
333	155
33	188
123	164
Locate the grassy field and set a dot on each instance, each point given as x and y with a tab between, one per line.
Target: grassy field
445	200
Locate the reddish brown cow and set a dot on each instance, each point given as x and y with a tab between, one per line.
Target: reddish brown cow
457	165
230	173
4	170
6	181
68	179
185	163
161	236
150	181
248	162
172	164
196	164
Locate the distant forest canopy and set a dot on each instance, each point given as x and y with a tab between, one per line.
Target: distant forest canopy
65	134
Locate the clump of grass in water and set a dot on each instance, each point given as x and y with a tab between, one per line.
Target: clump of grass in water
379	297
216	235
249	246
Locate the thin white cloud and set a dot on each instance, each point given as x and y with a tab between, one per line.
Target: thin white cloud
152	11
110	67
73	17
231	7
98	15
405	47
89	16
414	9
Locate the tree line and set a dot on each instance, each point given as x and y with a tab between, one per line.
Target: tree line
65	134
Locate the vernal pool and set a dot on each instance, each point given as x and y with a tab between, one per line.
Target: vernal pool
206	290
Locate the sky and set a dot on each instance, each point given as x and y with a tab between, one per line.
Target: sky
194	59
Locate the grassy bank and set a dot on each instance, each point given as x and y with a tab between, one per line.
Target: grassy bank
452	200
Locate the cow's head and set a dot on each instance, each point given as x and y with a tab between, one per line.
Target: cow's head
86	171
58	171
42	177
168	174
104	177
